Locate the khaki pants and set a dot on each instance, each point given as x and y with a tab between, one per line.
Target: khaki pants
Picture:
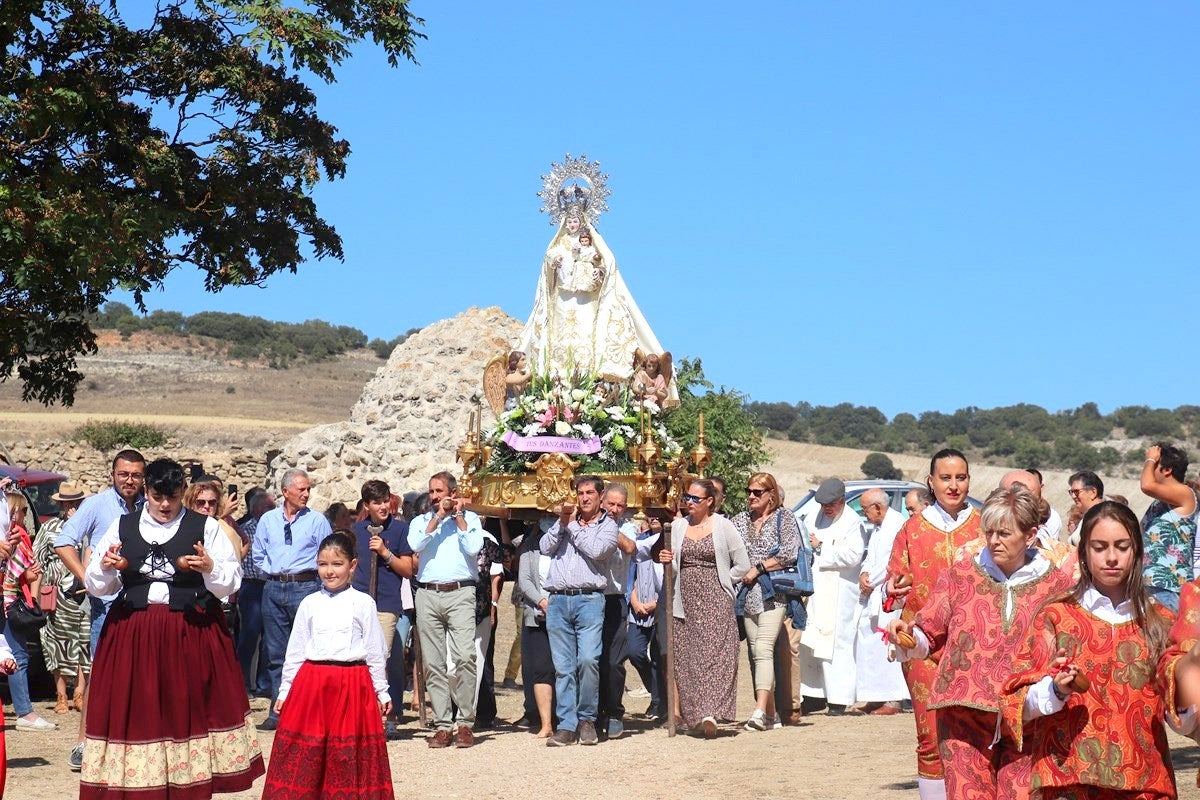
514	653
446	624
762	639
787	670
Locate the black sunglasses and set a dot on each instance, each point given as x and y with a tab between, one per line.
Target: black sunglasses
756	492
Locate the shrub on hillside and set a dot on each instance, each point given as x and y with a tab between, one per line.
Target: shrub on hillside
879	466
110	435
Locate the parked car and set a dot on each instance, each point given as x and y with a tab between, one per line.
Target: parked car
896	490
37	485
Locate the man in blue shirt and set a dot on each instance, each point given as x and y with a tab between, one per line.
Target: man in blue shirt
95	515
448	539
382	542
285	552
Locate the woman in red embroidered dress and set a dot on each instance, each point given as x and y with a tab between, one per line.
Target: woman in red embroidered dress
1106	739
924	548
977	616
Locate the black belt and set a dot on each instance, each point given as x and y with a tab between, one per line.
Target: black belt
448	587
359	663
573	592
294	577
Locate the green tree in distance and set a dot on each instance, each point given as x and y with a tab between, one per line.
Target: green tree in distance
187	139
730	431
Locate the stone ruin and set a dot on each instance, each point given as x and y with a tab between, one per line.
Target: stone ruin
412	415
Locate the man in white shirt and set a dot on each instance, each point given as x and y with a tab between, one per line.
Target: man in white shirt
827	647
614	650
879	683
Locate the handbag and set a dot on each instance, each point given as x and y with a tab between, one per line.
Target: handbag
25	617
49	598
797	580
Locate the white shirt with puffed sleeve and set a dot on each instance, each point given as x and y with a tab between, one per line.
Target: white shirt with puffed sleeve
224	580
336	626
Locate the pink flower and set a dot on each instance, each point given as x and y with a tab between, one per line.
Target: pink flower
568	415
547	416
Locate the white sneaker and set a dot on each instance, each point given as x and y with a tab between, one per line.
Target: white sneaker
776	722
757	721
638	693
39	724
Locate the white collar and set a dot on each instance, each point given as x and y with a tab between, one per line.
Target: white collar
1035	568
1096	603
940	517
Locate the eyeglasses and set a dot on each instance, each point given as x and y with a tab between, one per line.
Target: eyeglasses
124	476
756	492
207	503
287	533
1075	492
691	498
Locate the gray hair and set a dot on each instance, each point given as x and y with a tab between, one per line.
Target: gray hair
618	488
290	476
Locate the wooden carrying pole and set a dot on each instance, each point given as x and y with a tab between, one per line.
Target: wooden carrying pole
668	619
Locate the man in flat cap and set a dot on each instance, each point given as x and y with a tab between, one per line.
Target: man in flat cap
838	540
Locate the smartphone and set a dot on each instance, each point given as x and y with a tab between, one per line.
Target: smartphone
232	490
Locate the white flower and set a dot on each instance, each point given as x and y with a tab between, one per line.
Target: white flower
532	429
562	428
585	430
578	394
541	405
616	412
651	406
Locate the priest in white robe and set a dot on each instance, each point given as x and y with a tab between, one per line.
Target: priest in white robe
827	647
879	683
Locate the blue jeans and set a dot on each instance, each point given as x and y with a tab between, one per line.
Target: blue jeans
574	624
644	656
18	682
397	664
1165	598
250	639
280	603
99	614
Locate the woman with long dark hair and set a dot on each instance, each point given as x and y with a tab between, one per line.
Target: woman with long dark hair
1086	699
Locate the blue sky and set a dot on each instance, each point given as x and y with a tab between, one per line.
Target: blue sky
912	206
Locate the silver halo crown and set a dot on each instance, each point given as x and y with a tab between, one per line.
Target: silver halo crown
575	186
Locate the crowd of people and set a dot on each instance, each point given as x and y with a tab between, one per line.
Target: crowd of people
1038	658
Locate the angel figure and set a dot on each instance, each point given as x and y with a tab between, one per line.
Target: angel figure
652	376
517	379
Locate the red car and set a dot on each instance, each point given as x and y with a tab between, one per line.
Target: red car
37	485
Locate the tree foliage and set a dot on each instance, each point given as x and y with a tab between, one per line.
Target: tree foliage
247	337
730	431
189	138
878	465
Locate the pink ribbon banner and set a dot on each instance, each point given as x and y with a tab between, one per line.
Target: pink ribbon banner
552	444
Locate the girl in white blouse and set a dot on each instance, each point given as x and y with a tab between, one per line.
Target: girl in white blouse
334	692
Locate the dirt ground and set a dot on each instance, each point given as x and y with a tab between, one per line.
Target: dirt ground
825	757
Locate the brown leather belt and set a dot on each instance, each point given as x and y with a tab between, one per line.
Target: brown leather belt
294	577
447	587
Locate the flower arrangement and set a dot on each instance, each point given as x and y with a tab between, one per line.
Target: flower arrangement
580	406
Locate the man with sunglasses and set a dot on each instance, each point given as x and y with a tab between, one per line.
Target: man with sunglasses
285	553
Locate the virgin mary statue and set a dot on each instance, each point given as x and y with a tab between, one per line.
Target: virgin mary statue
584	318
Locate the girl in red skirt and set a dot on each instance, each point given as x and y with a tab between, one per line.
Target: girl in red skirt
334	693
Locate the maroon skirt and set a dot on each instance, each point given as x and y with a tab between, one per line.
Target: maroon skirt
167	711
330	743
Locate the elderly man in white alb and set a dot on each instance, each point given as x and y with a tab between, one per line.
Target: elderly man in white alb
879	683
827	647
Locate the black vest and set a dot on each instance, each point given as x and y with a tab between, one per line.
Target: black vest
186	587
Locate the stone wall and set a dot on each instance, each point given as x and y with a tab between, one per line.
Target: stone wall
84	464
411	416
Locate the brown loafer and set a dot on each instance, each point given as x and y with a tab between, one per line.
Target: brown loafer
885	711
440	739
463	737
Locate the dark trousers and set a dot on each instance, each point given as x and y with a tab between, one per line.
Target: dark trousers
485	707
645	657
249	637
537	666
613	654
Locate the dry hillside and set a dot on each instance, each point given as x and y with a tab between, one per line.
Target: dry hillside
184	385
